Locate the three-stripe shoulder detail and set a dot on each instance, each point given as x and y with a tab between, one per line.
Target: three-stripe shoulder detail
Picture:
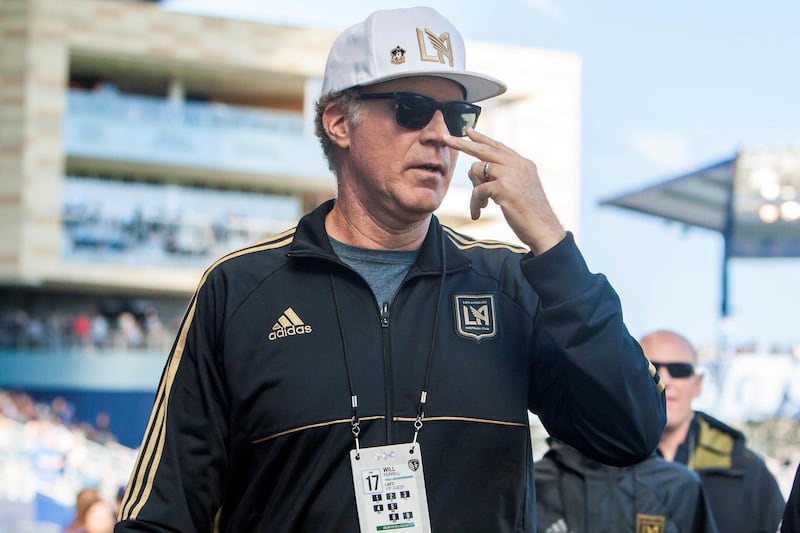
276	241
464	243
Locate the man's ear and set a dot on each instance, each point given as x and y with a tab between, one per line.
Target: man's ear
698	385
336	125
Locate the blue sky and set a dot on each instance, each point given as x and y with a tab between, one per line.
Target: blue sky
667	88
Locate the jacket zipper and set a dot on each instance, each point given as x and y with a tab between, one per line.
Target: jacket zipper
387	373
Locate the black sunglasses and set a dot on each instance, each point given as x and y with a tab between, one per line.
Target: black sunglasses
677	370
414	111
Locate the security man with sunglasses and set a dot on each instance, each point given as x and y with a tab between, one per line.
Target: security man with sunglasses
372	369
743	493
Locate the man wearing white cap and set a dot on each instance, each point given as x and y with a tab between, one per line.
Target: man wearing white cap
371	369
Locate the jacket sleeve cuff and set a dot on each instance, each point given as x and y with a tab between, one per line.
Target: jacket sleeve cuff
558	274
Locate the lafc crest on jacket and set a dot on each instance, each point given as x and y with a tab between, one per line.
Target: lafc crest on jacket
475	316
646	523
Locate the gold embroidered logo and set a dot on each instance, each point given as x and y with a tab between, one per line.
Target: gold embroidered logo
398	55
288	325
646	523
441	45
475	316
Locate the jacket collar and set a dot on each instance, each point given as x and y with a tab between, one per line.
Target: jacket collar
712	445
311	240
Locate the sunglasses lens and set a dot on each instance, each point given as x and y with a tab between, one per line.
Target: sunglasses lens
414	111
681	370
459	116
677	370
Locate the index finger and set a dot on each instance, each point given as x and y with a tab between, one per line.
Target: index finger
479	145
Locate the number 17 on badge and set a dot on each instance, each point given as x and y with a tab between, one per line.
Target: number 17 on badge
390	489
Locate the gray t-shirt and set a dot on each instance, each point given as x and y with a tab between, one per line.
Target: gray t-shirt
383	270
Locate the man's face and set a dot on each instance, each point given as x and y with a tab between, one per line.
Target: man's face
680	391
400	175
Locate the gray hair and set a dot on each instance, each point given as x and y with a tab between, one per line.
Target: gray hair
349	102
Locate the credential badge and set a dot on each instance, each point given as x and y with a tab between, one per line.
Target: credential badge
475	316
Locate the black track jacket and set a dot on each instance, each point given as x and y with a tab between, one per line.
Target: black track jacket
743	492
252	418
575	494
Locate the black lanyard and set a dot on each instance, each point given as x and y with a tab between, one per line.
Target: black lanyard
354	420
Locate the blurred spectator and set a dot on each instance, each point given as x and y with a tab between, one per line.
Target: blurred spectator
60	329
63	410
99	518
34	333
56	331
102	432
19	327
154	329
130	330
100	331
83	502
578	495
791	514
81	328
744	494
41	455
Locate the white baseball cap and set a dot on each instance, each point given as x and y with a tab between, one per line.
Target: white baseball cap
400	43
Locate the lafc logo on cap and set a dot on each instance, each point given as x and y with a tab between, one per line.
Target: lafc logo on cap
398	55
475	316
441	46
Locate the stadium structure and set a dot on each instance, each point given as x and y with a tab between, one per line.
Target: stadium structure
137	146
